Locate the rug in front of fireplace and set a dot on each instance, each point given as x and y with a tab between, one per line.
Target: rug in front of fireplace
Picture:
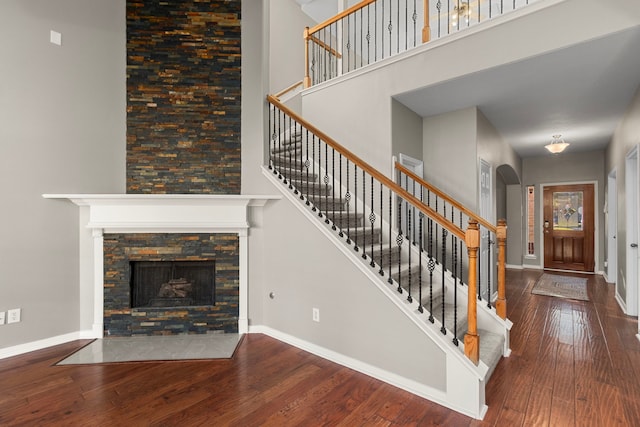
155	348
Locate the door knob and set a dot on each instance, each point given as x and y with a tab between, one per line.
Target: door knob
634	245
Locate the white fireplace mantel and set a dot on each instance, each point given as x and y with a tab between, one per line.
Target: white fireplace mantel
155	213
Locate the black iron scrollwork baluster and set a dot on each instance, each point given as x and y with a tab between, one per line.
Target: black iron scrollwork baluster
455	290
372	220
421	215
443	329
399	240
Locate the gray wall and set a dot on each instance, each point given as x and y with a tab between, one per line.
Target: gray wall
406	131
62	130
566	167
515	225
450	157
627	136
286	46
356	318
494	149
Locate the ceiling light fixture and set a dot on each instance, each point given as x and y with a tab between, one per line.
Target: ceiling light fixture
464	10
557	145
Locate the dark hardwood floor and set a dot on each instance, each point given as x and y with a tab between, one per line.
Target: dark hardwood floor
573	363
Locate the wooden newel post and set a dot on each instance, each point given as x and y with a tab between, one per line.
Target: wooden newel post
471	338
307	79
501	234
426	29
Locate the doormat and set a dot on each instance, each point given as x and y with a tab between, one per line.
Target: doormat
554	285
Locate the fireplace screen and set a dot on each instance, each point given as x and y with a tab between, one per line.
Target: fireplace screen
172	283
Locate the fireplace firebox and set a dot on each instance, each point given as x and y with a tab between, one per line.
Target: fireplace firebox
172	283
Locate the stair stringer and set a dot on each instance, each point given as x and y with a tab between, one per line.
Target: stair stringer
465	382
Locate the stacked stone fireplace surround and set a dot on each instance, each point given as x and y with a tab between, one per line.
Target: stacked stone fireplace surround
183	137
122	320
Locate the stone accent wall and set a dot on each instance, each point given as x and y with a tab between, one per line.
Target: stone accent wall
120	249
183	96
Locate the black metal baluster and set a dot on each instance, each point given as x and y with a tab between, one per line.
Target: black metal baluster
372	220
409	298
280	152
489	242
479	267
420	309
341	234
355	204
436	233
364	226
361	42
382	31
444	259
272	138
307	163
390	27
333	189
399	240
348	43
431	265
453	265
326	182
390	232
461	257
381	271
414	212
289	149
375	33
368	37
355	42
313	174
439	7
347	198
406	26
455	290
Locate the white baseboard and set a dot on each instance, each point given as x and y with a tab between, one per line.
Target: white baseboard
403	383
17	350
621	303
514	267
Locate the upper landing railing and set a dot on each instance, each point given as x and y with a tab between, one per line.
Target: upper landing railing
373	30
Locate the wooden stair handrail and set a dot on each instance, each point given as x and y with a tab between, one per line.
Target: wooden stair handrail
427	210
500	231
340	15
446	197
289	89
325	46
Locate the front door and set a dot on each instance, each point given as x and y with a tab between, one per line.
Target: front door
569	227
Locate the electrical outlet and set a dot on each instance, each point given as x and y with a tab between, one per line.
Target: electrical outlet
1	317
13	316
316	315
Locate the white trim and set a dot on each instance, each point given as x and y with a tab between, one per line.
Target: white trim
19	349
406	384
621	303
514	267
157	213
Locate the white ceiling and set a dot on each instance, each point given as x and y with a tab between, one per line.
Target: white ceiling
580	92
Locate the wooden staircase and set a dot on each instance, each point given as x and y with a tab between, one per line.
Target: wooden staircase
310	183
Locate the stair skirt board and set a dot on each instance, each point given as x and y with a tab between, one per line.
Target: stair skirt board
500	328
460	395
334	217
